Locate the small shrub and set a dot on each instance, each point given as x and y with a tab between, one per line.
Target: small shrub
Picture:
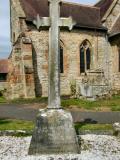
1	94
73	87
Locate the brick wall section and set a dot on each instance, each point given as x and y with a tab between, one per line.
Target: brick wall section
21	76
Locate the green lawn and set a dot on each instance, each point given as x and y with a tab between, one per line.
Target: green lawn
12	124
93	127
3	100
112	104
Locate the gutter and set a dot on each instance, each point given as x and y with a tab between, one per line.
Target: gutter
114	34
91	27
102	28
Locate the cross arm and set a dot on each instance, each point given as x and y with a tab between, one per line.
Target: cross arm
41	22
67	22
45	22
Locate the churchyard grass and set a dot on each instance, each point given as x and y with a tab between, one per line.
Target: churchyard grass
115	108
15	125
93	127
2	100
12	124
78	103
111	104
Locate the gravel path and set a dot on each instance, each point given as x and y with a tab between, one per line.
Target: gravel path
93	147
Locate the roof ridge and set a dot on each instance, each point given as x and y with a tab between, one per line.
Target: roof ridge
109	9
79	4
82	14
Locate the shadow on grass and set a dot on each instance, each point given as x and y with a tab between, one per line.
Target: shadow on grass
90	125
29	100
79	125
4	121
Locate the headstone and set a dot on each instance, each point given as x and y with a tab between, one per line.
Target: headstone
54	132
116	128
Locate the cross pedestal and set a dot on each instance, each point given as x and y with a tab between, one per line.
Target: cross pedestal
54	131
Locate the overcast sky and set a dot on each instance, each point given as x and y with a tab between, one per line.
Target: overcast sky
5	48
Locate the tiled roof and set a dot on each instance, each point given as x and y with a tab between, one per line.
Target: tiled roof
104	6
85	16
116	28
3	66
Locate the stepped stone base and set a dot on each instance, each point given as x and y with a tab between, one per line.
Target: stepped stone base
54	133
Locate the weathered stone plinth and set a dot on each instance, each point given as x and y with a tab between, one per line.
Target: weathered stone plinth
54	133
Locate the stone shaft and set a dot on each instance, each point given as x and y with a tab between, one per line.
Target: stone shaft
54	77
54	22
54	132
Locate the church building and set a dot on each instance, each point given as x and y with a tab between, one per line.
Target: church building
89	53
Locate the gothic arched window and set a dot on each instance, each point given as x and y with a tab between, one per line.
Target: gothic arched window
85	56
88	58
61	60
82	61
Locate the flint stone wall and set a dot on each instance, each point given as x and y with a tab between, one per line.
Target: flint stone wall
112	17
104	55
70	41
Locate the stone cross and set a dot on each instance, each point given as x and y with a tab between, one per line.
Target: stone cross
54	22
